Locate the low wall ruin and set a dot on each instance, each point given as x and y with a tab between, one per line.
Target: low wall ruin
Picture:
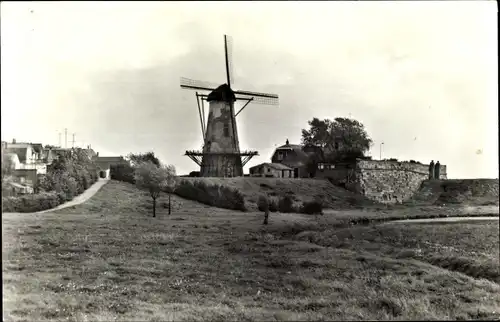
389	181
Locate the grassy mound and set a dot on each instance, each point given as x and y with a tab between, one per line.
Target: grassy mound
300	190
463	192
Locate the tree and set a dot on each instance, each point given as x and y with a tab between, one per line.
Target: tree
170	185
312	164
154	179
7	166
346	136
319	132
263	205
136	159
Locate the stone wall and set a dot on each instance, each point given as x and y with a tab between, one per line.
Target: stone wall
390	181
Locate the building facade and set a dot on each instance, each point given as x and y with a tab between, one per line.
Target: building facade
274	170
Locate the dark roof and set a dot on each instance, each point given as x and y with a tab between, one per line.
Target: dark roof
38	147
105	162
297	158
221	94
290	146
21	153
109	159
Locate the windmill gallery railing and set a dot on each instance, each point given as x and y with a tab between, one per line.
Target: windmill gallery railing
245	155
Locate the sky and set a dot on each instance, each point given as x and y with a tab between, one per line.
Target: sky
421	76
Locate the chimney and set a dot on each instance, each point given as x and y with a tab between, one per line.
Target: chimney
287	143
97	154
13	141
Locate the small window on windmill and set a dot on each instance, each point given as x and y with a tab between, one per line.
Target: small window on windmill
226	129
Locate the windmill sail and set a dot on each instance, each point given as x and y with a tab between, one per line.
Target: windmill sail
229	59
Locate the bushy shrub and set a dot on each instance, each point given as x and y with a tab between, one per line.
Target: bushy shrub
285	205
122	172
69	186
263	203
212	195
273	205
31	203
312	207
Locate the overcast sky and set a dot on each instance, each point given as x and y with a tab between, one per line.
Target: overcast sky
422	76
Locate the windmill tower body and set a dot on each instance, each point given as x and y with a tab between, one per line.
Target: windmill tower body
221	155
221	151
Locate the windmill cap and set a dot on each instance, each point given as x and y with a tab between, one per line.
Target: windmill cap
223	93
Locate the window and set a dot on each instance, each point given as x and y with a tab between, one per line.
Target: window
268	169
280	156
321	166
226	129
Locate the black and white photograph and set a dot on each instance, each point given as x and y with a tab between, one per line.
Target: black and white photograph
250	160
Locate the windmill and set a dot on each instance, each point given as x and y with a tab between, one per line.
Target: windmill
221	155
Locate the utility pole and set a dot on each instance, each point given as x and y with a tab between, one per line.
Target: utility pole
59	139
381	150
65	138
73	143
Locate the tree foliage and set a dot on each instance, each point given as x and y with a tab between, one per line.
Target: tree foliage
154	179
70	173
137	158
7	166
346	136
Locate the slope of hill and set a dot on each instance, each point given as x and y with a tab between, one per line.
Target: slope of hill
458	191
300	190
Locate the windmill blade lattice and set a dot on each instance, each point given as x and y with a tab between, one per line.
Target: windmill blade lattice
188	82
259	98
229	45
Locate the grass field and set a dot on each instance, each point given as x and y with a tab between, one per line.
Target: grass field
108	259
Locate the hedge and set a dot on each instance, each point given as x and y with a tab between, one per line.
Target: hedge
122	172
33	203
212	195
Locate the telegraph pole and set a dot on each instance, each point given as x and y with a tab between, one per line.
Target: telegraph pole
65	138
73	143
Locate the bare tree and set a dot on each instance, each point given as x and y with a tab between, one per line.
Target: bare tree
155	179
170	185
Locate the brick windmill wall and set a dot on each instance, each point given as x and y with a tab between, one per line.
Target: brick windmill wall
221	147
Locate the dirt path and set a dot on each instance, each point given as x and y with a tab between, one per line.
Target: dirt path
86	195
447	219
